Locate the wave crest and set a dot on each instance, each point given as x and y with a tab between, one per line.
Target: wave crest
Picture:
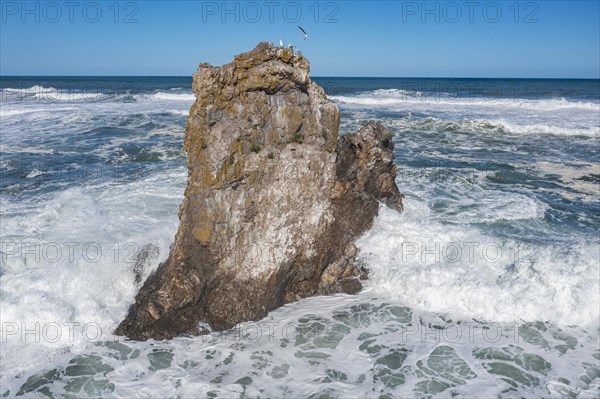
386	97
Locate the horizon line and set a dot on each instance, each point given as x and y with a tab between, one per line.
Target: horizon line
327	77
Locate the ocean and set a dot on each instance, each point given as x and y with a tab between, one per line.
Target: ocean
486	286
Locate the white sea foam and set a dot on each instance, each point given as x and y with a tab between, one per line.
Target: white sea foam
11	110
386	97
35	173
352	346
161	96
44	95
178	112
477	115
32	89
459	271
26	150
68	258
489	126
547	129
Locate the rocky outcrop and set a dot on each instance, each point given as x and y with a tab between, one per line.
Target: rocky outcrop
274	199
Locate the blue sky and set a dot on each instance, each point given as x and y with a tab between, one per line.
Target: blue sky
544	39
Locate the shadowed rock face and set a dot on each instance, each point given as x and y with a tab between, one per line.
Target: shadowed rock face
274	200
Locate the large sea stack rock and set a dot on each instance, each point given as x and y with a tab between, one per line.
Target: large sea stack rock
274	199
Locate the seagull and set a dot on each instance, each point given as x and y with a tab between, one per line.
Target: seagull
280	43
303	32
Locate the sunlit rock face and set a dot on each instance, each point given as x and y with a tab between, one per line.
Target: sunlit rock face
274	199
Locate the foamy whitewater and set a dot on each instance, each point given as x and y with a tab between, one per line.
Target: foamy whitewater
486	286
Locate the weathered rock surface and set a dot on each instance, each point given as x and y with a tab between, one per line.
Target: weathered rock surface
274	200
